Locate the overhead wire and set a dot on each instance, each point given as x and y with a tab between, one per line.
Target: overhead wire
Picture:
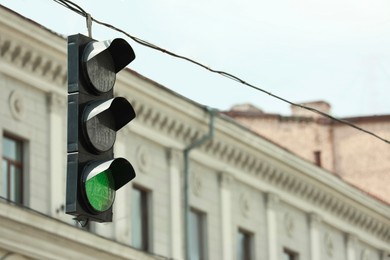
72	6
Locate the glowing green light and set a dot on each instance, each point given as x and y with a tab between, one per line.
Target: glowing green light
100	191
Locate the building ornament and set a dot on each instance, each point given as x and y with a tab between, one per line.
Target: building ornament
245	204
34	61
365	255
328	245
174	157
143	158
289	224
17	105
315	220
196	184
226	180
56	103
272	200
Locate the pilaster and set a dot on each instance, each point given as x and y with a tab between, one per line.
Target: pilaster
272	202
176	219
226	215
57	160
315	239
351	247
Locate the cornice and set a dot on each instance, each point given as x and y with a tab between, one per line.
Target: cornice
19	54
326	198
153	117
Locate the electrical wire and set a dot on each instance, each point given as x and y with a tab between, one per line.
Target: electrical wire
72	6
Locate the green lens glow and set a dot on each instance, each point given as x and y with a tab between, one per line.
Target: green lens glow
100	191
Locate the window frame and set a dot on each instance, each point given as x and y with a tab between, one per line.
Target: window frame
201	231
317	158
145	219
290	253
20	165
248	244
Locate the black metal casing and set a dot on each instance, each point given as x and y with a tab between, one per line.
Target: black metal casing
80	152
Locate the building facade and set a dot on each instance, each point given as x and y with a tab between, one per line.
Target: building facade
248	198
354	155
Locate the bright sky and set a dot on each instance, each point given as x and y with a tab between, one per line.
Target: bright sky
302	50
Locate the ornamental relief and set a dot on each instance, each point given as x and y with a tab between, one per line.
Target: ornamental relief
17	105
328	244
245	205
33	60
143	159
56	103
196	184
289	224
365	255
226	180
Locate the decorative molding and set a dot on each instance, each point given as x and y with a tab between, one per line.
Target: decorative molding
17	105
225	180
56	103
173	155
328	245
245	205
272	200
353	239
365	255
12	256
143	158
32	60
289	224
167	124
315	219
196	184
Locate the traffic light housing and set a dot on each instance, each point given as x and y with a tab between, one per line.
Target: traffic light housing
94	117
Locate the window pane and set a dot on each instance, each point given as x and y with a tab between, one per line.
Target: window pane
240	249
289	255
197	236
139	219
12	149
11	179
194	237
136	222
15	184
243	245
3	180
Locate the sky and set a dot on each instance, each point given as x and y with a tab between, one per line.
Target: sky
337	51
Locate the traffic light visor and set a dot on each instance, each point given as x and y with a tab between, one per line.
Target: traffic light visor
102	60
103	119
119	49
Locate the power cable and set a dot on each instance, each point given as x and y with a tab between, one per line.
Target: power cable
80	11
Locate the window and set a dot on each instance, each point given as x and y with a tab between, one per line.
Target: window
11	179
289	255
244	245
140	219
317	158
197	237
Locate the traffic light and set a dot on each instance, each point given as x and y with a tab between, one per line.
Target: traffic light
94	117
